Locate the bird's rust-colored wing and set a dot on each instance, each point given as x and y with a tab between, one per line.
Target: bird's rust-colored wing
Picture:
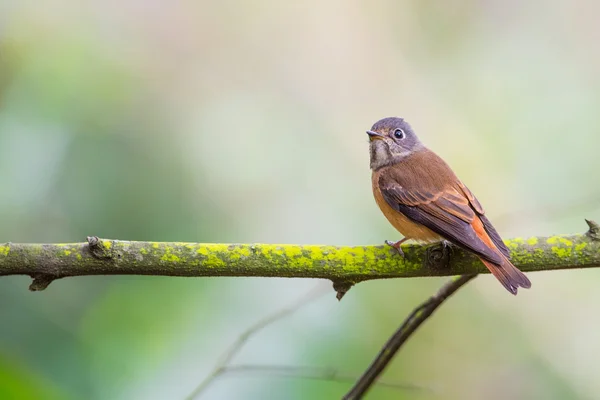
454	213
487	225
448	212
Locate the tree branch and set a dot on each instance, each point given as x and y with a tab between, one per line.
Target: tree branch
344	266
317	373
408	327
224	366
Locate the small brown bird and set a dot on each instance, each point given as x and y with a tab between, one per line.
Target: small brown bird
424	200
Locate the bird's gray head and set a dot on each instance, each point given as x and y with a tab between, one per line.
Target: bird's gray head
391	140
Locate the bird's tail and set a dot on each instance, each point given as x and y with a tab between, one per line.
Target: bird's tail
509	276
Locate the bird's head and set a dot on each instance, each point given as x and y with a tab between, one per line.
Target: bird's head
391	140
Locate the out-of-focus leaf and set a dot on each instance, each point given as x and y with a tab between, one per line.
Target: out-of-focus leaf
19	383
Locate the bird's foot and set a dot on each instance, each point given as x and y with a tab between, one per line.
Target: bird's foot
439	254
396	245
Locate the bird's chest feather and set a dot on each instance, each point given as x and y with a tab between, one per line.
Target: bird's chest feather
399	221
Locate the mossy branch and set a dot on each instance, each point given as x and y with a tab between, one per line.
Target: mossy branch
344	266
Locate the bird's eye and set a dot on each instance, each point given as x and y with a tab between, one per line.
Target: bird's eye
399	134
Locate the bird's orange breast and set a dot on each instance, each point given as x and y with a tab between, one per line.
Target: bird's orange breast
398	220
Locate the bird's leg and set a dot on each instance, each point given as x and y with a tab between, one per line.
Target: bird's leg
396	245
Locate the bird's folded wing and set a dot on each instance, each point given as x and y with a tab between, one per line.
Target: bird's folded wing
448	212
487	225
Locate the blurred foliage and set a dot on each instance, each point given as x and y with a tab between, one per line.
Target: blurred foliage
244	122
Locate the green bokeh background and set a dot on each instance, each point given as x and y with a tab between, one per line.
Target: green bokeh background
244	122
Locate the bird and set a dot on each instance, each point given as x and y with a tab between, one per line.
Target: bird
424	200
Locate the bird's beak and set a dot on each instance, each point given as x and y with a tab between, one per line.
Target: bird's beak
374	135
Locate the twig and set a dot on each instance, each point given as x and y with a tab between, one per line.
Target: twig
408	327
315	373
223	363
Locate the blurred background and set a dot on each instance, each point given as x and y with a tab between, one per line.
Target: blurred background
243	122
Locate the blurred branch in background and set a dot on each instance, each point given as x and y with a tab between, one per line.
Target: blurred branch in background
408	327
345	266
223	366
316	373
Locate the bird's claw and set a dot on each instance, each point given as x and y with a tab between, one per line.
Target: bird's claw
396	245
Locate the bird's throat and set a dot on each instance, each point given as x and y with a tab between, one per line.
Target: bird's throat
382	156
